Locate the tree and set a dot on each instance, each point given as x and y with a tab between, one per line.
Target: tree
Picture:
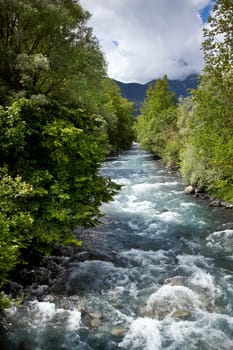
55	126
15	222
58	151
46	47
50	136
218	40
208	157
158	120
118	115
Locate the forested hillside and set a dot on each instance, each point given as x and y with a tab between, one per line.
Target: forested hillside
136	93
196	135
59	118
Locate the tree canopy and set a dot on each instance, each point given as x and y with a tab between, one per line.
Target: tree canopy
208	158
197	135
155	125
59	118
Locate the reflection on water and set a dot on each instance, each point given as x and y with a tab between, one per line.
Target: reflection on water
169	285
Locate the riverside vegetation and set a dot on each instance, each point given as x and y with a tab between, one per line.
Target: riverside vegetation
195	135
59	117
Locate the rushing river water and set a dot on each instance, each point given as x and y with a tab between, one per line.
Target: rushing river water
168	285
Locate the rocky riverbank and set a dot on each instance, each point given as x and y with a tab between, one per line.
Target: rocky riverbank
214	202
40	278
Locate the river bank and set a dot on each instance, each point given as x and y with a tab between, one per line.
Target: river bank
213	201
37	279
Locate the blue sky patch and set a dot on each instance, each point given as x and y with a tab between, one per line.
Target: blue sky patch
115	42
205	12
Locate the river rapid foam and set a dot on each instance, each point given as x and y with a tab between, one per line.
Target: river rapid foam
167	283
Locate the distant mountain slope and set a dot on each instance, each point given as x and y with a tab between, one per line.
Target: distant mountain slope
136	92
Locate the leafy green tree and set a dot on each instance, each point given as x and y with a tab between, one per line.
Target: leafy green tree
59	118
46	47
59	156
15	222
15	226
218	40
197	134
207	160
118	115
157	124
52	136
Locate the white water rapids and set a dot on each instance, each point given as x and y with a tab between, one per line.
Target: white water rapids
168	286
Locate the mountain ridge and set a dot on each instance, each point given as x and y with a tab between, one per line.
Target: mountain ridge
136	92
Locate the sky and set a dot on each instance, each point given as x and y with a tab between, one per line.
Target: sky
146	39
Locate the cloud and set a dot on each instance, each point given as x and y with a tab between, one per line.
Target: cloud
145	39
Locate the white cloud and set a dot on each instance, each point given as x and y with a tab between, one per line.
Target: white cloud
145	39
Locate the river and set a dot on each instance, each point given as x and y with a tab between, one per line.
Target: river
167	286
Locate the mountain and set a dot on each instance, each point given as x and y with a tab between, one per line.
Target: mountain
136	93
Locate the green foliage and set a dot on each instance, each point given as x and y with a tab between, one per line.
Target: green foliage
12	129
158	98
208	155
59	118
207	159
218	39
118	116
15	221
171	152
60	158
46	48
156	128
197	135
4	303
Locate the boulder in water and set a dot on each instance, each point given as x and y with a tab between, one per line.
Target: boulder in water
118	331
215	203
96	319
180	314
189	190
170	299
174	281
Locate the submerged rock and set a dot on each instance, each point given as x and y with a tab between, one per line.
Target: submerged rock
172	300
96	319
118	331
180	314
174	281
215	203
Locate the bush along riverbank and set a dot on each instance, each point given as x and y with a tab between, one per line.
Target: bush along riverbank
59	118
195	134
